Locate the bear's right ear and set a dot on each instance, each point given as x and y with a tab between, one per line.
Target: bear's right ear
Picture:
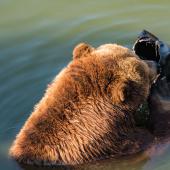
82	50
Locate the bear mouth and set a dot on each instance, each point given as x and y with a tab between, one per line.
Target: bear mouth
147	49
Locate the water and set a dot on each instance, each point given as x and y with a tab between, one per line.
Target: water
36	41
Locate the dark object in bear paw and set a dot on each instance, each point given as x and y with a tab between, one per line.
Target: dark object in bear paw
149	47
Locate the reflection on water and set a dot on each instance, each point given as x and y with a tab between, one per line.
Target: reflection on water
36	42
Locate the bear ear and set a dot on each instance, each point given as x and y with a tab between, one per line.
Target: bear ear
121	92
82	50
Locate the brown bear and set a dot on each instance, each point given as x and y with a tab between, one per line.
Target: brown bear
87	112
159	103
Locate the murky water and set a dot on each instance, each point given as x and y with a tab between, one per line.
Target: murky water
36	41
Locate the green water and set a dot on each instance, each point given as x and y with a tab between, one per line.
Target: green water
36	42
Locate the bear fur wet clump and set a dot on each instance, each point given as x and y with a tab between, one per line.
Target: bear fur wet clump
87	113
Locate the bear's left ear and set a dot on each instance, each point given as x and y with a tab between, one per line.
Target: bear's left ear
82	50
121	92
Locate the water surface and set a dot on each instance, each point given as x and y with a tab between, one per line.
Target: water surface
36	41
